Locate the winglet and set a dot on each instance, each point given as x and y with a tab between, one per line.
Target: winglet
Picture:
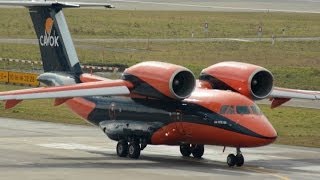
11	103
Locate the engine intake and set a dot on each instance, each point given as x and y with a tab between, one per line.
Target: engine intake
250	80
261	84
160	80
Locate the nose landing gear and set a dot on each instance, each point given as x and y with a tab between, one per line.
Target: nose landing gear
237	160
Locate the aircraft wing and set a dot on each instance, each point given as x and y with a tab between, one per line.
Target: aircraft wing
281	95
100	88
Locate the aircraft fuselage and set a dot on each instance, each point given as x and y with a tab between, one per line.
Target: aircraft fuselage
174	122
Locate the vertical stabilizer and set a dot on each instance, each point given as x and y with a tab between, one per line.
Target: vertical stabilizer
57	49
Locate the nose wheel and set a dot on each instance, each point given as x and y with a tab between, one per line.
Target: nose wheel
235	160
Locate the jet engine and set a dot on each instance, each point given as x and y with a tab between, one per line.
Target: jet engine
250	80
160	80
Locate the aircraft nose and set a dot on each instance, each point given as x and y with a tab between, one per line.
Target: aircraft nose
268	131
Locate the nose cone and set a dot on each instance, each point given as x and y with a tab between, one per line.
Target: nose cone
262	130
266	130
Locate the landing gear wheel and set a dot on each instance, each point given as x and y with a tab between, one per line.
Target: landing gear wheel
122	148
231	160
198	151
240	160
185	150
134	150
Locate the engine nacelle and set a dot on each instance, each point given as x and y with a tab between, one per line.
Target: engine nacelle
250	80
160	80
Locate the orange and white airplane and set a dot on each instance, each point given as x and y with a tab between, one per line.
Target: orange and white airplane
155	102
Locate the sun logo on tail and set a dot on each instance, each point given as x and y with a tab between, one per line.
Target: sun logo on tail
48	25
49	38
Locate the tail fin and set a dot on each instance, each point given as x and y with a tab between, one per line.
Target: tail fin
56	46
57	50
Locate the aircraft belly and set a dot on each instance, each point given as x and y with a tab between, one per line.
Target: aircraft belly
117	129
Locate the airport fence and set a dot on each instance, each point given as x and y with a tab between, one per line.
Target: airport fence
25	72
38	64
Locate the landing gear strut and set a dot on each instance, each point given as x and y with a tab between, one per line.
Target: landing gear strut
196	150
237	160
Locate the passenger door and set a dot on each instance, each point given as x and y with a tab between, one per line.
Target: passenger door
183	127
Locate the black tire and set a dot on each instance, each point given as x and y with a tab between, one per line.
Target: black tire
185	150
198	151
122	148
231	160
240	160
134	150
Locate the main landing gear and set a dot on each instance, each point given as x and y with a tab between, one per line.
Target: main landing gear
237	160
196	150
131	149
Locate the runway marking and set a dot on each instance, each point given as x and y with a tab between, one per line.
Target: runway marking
241	40
308	168
268	172
76	146
72	146
215	7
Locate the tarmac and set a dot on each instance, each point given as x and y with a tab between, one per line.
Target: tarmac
41	150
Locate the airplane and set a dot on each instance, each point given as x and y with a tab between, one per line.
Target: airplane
154	103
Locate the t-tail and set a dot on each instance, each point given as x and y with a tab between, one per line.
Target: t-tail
58	53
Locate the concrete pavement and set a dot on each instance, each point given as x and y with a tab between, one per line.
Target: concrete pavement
40	150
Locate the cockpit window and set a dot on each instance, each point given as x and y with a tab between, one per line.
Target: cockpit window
256	110
226	109
230	109
243	110
223	109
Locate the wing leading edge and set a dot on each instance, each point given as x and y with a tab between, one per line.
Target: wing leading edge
62	93
280	96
